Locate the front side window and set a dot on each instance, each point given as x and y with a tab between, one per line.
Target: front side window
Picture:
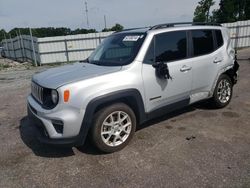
202	42
170	46
117	49
167	47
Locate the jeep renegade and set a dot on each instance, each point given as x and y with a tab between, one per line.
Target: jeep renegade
131	77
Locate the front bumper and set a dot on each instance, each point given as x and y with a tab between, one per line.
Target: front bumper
42	134
70	119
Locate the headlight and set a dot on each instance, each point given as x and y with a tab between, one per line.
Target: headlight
54	96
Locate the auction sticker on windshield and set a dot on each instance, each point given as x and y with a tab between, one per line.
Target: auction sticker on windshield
131	38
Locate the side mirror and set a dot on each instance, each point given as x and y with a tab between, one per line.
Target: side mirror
162	70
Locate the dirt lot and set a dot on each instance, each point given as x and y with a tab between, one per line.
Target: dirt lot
194	147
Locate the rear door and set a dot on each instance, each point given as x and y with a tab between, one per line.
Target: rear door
206	59
170	48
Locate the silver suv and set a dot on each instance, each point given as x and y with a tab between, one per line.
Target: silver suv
131	77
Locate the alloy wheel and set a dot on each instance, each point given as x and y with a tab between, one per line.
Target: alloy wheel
116	128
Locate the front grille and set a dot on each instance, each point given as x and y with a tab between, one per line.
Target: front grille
37	92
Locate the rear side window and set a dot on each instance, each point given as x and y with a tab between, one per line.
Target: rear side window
219	38
202	42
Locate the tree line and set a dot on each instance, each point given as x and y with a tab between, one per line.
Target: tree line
228	11
53	31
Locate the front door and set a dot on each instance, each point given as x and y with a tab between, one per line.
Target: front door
169	48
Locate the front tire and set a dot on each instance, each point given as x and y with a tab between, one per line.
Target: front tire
113	127
223	92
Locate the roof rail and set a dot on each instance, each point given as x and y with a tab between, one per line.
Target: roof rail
166	25
132	29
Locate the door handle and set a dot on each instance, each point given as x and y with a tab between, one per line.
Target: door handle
185	68
216	60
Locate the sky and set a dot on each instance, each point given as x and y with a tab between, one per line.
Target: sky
66	13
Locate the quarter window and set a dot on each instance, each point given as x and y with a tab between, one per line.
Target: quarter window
202	42
219	38
150	56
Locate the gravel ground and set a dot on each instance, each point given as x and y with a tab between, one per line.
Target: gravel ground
193	147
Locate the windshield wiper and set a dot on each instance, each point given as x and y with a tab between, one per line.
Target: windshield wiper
84	61
95	62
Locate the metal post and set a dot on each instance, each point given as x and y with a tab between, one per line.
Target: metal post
96	40
13	48
66	50
7	45
33	47
237	37
22	45
100	40
19	45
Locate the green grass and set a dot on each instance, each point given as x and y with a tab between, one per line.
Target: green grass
4	66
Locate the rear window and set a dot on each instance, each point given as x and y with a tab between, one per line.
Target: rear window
219	38
202	42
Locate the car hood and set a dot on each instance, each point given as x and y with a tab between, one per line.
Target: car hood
59	76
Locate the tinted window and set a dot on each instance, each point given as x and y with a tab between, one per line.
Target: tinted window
219	38
170	46
202	42
167	47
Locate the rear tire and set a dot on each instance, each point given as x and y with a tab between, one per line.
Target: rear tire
113	127
223	92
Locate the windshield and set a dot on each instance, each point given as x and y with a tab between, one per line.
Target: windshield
117	49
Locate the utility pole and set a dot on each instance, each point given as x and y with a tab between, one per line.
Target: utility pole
87	16
105	22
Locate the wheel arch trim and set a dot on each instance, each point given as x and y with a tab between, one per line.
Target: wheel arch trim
230	68
117	96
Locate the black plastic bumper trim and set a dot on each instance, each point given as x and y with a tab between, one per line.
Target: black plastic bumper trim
42	134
